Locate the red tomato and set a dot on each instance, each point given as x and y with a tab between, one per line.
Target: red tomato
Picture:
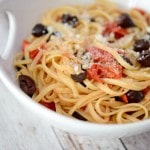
33	53
24	44
124	98
148	19
145	91
94	72
49	105
99	55
141	11
97	71
104	66
120	32
114	28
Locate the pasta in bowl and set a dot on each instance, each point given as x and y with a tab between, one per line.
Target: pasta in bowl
85	60
89	62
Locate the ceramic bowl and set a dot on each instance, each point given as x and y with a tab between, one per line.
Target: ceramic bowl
17	17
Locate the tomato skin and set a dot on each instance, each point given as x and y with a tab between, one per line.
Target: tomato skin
48	105
98	71
32	54
99	55
24	44
94	72
114	28
104	65
141	11
146	90
119	33
124	98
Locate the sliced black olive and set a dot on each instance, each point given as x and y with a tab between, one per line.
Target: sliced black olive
140	45
127	60
79	77
70	20
125	21
82	83
18	68
144	58
27	84
78	116
39	30
134	96
117	98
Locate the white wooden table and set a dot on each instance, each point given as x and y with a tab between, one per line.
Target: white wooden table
21	130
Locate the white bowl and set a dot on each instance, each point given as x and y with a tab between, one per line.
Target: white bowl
16	19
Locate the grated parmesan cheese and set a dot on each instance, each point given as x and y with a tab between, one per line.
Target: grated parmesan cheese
86	60
148	29
50	29
100	38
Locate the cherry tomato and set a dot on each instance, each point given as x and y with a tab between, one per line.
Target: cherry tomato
104	65
24	44
114	28
48	105
33	53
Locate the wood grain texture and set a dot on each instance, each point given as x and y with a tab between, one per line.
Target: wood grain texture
22	130
75	142
138	142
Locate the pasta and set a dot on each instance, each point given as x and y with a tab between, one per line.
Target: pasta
89	62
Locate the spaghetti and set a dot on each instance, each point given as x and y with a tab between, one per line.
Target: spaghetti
89	62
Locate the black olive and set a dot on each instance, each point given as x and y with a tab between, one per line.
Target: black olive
70	20
125	21
82	83
144	58
39	30
127	60
140	45
27	84
134	96
79	77
117	98
18	68
78	116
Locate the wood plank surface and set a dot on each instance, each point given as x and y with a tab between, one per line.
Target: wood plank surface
138	142
75	142
21	130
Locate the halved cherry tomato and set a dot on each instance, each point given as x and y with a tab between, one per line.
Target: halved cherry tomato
99	55
104	65
48	105
109	71
145	91
114	28
141	11
94	72
33	53
148	20
120	32
124	98
24	44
